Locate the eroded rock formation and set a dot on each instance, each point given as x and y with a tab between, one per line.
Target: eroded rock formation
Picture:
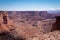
6	26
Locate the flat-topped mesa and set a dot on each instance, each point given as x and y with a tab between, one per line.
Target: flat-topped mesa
39	15
34	15
28	15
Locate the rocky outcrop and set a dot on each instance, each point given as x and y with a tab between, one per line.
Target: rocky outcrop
55	35
6	28
5	22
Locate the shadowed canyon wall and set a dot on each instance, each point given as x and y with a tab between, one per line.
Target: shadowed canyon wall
56	26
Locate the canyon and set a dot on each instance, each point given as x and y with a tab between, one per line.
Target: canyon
27	25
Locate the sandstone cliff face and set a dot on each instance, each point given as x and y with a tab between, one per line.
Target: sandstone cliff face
5	23
6	28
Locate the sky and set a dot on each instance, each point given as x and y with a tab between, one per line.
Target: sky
29	5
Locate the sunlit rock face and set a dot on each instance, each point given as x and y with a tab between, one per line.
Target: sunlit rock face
47	25
5	22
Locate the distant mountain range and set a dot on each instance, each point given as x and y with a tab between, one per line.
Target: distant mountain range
30	15
54	12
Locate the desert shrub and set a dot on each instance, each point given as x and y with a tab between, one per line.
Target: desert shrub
8	36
